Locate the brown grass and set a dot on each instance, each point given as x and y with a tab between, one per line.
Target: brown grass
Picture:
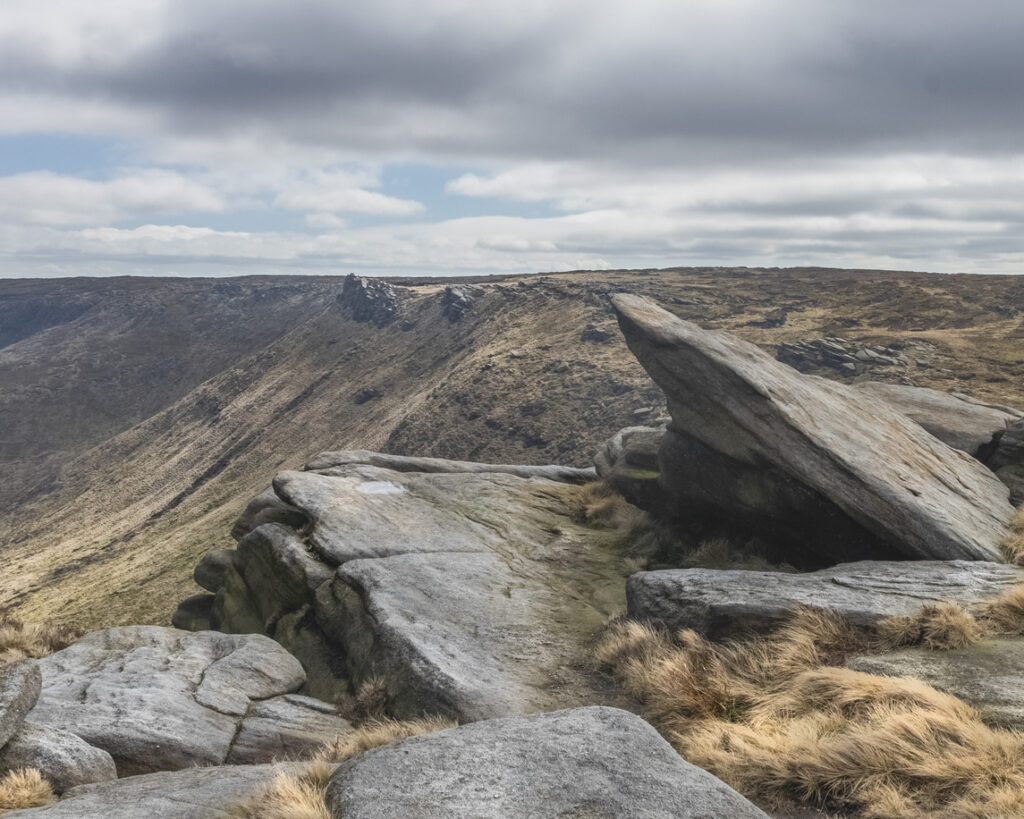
775	718
19	641
24	788
301	796
600	506
941	627
1013	543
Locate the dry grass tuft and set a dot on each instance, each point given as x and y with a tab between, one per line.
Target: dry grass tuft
1005	613
377	732
941	627
600	506
776	719
369	702
24	788
1013	544
301	796
19	641
291	796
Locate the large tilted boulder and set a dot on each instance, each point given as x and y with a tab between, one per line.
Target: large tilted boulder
20	684
473	593
809	463
162	699
989	675
194	793
722	604
586	762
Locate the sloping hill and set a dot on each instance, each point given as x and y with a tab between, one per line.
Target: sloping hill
137	417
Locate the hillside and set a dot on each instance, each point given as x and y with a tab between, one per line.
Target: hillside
139	416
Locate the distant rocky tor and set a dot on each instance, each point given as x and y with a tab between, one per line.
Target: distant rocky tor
478	592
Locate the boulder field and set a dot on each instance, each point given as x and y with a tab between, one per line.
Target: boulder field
477	592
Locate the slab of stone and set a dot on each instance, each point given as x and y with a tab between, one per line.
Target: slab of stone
286	727
726	603
628	461
585	762
403	463
158	698
810	454
195	793
457	634
989	675
363	511
20	684
962	423
1008	461
63	759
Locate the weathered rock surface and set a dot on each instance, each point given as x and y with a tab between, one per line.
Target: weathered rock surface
805	459
20	684
195	793
961	422
287	727
213	568
629	462
161	699
586	762
844	357
457	299
63	759
474	593
326	461
725	603
1008	461
989	676
370	300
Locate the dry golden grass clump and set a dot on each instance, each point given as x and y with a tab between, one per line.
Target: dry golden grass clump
941	627
19	641
1013	544
301	796
24	788
600	506
777	720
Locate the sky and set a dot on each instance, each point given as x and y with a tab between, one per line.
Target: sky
403	137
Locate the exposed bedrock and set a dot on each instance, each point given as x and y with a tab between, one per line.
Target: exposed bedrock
584	762
829	473
162	699
722	604
473	590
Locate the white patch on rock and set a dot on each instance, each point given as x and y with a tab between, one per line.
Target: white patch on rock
381	488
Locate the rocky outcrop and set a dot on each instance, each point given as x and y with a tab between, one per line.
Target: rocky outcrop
64	759
957	420
629	462
586	762
989	675
20	684
286	727
723	604
194	793
474	593
809	463
1008	461
457	299
844	357
369	300
161	699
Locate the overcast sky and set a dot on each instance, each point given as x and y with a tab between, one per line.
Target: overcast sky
198	137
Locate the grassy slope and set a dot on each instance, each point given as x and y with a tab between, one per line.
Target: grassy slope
157	475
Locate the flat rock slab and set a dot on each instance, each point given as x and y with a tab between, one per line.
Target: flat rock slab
855	459
158	698
361	511
287	727
459	634
962	423
726	603
196	793
404	463
585	762
63	759
20	685
989	676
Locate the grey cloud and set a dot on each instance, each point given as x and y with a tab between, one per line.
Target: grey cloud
865	76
